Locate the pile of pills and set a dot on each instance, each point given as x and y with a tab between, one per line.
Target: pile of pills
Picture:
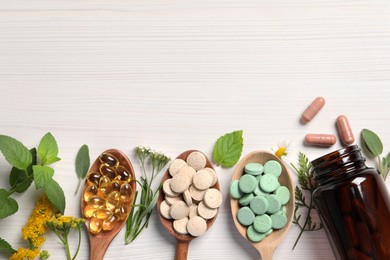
262	199
342	123
106	194
190	199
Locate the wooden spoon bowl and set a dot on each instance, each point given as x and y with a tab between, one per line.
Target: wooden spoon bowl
100	242
182	240
267	246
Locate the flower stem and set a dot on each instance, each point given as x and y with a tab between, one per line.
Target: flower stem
68	256
79	244
304	225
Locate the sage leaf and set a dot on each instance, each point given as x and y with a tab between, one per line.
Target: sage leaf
18	179
42	175
55	194
6	248
228	149
15	152
8	205
48	149
387	159
372	141
82	164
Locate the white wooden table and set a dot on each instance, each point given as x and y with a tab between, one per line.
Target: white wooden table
175	75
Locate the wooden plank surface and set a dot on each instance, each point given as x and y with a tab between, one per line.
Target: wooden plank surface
175	75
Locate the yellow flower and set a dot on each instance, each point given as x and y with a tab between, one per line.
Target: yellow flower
37	242
34	229
24	254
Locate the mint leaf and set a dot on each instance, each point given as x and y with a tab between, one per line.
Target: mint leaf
15	152
55	194
228	149
372	141
48	150
6	248
42	175
8	205
19	179
82	164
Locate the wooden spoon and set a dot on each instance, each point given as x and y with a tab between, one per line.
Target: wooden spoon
183	241
267	246
100	242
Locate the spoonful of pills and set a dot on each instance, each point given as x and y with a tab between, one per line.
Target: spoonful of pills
190	199
262	201
107	198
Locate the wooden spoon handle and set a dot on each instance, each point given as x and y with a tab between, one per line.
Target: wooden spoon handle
99	248
182	249
266	253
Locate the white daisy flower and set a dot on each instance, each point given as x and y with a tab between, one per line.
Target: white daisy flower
283	150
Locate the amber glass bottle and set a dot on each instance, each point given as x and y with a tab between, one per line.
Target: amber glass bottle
354	205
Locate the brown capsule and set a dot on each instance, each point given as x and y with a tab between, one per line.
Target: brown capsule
94	177
115	185
88	211
95	225
102	213
345	130
108	159
109	224
344	200
125	192
313	109
365	213
90	191
364	237
107	171
320	139
123	173
358	255
380	244
350	228
96	202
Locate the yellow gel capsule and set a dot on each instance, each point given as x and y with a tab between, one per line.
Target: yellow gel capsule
109	224
102	214
88	211
113	200
95	225
108	159
96	202
104	192
107	171
90	191
104	183
121	212
125	192
123	173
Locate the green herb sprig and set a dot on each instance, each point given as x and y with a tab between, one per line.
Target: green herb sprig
82	164
62	226
228	149
375	147
30	166
141	212
307	185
